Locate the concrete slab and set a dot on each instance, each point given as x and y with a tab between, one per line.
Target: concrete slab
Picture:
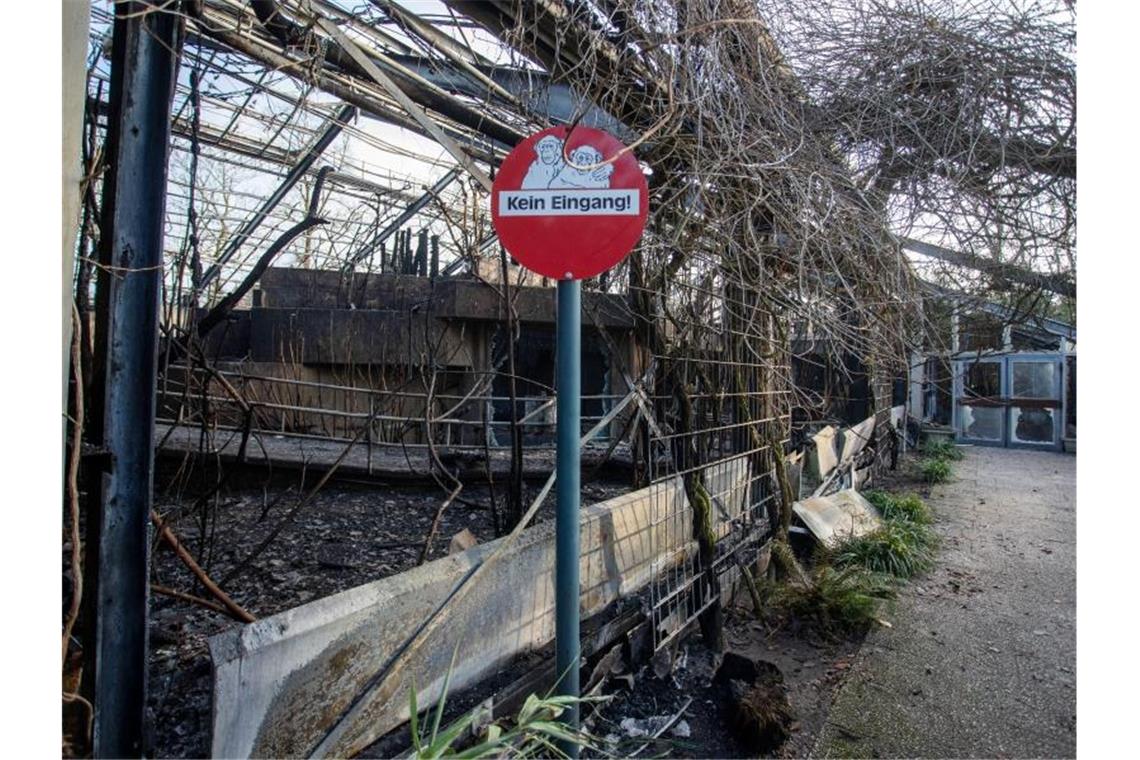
411	462
898	414
835	518
794	466
283	681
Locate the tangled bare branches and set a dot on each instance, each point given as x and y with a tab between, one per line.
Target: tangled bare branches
959	117
790	144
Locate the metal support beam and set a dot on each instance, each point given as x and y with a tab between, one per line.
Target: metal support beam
458	54
143	73
346	114
1055	283
534	90
415	111
567	518
414	208
484	245
76	20
362	97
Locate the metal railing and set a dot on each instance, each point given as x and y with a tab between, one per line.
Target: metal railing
334	411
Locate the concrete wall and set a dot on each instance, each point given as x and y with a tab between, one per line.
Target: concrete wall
856	438
360	336
445	298
281	682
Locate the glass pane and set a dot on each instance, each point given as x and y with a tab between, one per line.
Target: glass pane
983	379
1032	425
1034	380
982	422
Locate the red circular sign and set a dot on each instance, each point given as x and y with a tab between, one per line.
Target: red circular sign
564	207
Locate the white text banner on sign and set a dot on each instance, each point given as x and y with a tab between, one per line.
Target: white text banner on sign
570	203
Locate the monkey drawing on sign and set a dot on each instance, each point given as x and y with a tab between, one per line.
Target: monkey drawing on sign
546	165
587	179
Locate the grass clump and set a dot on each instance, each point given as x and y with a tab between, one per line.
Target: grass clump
838	598
880	500
852	582
942	450
911	508
901	548
908	507
935	470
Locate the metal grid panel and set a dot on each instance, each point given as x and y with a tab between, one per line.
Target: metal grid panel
720	403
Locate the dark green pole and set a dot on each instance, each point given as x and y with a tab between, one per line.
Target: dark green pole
567	644
144	62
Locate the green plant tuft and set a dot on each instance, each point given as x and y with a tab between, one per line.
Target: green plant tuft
838	599
935	470
901	548
880	500
537	731
909	507
942	450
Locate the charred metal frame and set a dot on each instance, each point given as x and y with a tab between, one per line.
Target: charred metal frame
346	114
145	59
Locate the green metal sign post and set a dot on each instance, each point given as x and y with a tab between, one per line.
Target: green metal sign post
569	476
569	203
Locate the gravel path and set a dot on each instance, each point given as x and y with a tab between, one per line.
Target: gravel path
981	658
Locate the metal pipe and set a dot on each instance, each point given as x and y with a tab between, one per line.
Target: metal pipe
360	94
144	62
569	474
414	208
457	264
348	56
330	133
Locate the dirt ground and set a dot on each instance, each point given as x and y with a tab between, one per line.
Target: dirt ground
355	532
350	534
995	562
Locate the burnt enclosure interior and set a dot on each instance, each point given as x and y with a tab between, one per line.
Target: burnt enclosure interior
535	362
319	352
980	332
983	380
367	351
844	390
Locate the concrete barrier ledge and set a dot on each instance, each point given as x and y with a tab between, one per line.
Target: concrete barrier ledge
280	683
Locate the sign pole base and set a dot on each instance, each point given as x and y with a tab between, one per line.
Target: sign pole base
566	580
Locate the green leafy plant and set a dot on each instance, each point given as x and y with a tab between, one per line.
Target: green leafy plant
901	548
909	507
838	598
536	731
942	449
935	470
880	500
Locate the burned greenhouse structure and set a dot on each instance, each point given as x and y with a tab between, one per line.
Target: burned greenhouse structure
314	397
